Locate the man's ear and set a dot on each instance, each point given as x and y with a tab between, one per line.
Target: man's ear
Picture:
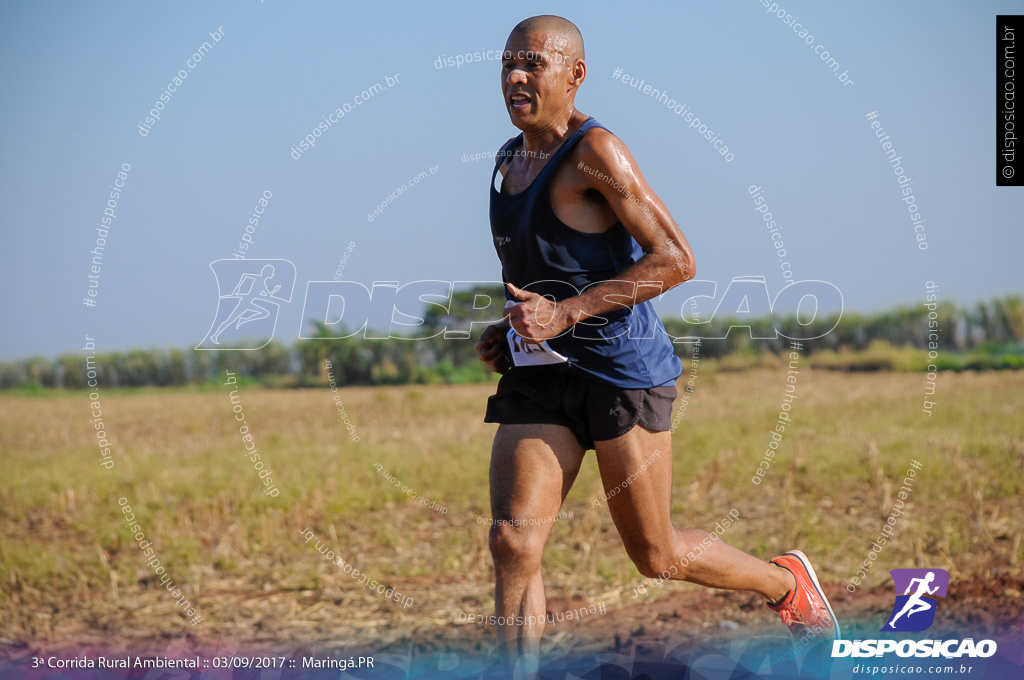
578	72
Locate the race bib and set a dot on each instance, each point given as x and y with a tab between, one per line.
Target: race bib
531	354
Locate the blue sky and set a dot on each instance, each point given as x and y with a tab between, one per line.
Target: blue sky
78	79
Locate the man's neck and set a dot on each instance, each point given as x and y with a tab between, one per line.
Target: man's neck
548	139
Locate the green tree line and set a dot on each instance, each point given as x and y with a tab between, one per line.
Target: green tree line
990	334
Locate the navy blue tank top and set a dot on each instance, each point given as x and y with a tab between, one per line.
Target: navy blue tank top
628	347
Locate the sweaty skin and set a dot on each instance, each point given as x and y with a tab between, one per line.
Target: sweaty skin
534	466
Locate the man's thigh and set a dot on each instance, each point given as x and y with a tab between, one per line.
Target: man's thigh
532	469
636	471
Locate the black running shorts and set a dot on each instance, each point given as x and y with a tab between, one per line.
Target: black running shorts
593	411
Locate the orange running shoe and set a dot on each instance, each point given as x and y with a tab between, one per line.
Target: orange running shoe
805	610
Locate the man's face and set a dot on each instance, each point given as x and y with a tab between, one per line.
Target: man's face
536	80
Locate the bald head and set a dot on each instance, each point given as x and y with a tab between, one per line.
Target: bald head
562	35
541	70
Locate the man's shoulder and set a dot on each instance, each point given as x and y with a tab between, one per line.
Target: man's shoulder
602	150
599	143
497	154
502	154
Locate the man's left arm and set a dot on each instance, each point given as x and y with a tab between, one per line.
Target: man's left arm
610	169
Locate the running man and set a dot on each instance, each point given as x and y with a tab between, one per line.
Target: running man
250	305
915	603
584	243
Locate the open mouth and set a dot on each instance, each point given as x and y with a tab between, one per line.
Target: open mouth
518	102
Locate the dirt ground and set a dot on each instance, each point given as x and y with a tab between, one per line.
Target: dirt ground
274	622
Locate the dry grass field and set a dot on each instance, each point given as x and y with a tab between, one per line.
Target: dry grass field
71	573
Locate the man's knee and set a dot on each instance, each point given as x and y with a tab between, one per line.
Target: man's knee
653	562
511	544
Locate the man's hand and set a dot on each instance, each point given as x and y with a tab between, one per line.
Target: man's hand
536	318
492	348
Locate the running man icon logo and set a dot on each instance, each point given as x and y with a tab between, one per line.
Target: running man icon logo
915	609
250	297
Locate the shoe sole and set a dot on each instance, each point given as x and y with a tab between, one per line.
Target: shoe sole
817	586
